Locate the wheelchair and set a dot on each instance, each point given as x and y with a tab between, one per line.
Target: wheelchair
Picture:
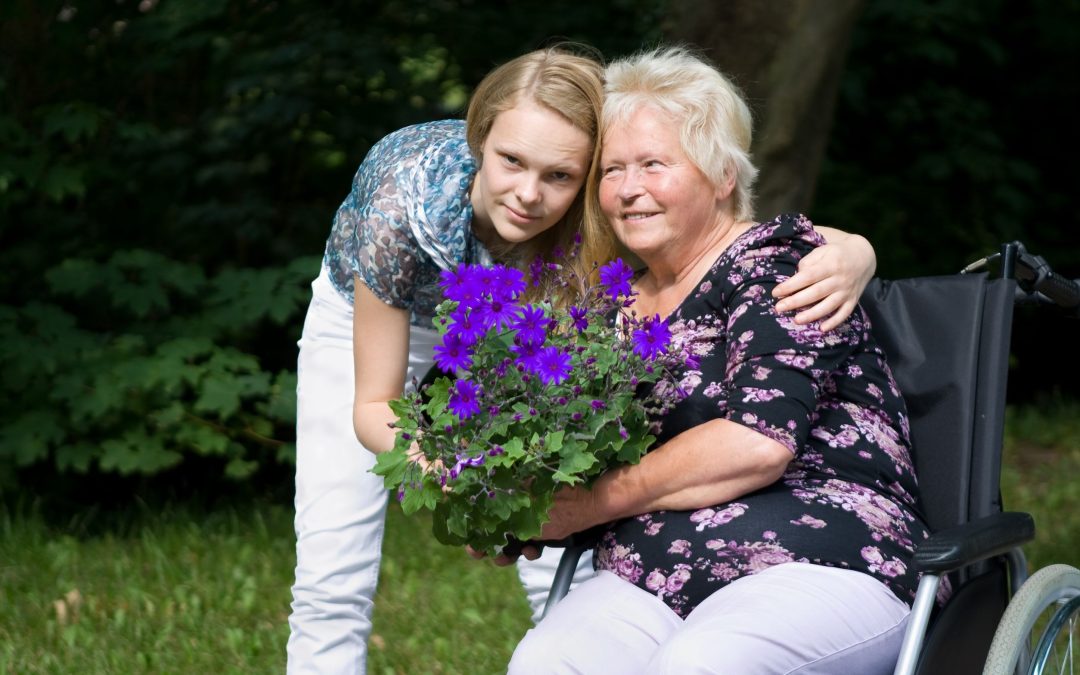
947	341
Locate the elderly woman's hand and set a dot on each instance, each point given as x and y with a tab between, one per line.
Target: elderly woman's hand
574	510
528	550
829	281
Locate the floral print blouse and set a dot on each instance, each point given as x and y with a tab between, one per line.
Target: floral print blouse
407	217
849	497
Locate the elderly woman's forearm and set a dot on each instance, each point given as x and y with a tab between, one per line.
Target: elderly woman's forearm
707	465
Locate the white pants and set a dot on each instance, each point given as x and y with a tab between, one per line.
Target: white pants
341	505
792	618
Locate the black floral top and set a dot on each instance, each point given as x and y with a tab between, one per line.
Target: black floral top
849	497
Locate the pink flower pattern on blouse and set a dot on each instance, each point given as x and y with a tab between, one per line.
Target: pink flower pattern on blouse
849	497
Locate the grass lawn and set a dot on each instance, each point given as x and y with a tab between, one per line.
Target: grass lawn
180	590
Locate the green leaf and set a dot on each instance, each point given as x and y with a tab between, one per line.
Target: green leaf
449	525
425	497
515	448
220	395
240	468
62	181
73	121
204	439
136	452
576	460
391	466
635	448
75	456
29	437
553	443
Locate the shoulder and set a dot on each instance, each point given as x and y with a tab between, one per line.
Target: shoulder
767	252
439	145
772	245
786	234
433	170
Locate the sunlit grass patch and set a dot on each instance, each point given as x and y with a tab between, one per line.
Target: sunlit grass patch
1041	475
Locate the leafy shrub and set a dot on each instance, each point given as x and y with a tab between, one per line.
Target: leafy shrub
131	364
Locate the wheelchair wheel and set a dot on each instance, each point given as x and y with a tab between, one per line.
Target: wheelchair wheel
1040	631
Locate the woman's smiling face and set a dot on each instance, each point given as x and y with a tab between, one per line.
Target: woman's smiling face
656	199
533	166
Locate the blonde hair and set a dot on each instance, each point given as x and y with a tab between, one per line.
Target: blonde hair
568	80
714	122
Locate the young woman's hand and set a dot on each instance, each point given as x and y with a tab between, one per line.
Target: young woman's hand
829	281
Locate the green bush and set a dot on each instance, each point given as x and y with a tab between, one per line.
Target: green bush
131	364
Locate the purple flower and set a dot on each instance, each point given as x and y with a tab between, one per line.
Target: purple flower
578	314
597	404
616	276
527	355
652	338
498	313
536	270
467	325
531	325
508	283
463	401
552	365
453	354
460	284
485	278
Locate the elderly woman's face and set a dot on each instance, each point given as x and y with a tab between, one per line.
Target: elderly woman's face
657	200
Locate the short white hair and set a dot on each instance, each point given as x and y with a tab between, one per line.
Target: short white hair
715	124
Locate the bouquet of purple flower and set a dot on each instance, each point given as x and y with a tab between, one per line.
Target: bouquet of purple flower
545	395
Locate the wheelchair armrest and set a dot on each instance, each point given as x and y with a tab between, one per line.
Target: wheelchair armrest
966	544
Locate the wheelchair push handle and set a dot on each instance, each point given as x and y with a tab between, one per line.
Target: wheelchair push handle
1034	277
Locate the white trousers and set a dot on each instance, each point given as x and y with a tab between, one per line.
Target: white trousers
792	618
341	505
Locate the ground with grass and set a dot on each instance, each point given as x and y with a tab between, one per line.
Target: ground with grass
184	589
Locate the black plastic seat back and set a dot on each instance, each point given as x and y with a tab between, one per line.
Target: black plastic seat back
947	342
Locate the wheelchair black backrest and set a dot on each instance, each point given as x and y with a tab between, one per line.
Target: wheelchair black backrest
947	341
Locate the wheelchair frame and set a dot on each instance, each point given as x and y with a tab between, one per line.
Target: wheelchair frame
947	340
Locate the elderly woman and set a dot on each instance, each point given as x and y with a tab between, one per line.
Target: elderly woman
770	529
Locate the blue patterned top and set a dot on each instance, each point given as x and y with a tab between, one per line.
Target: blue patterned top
407	217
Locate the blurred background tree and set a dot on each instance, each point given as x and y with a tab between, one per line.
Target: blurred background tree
169	170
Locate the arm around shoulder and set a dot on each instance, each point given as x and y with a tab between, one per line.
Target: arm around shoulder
830	279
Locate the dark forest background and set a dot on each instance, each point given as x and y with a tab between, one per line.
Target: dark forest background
169	171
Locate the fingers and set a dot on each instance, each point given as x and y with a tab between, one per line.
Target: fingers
805	298
529	551
473	553
823	289
838	317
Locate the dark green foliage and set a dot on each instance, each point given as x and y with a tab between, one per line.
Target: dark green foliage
131	364
163	164
168	175
954	132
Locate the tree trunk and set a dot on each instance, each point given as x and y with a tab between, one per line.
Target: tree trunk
787	56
